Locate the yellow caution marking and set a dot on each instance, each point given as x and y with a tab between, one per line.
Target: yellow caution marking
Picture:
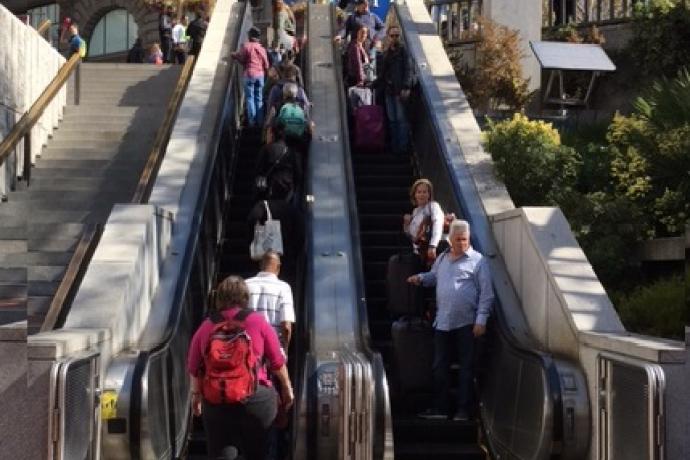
108	404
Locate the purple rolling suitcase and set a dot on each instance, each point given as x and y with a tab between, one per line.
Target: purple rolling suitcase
369	132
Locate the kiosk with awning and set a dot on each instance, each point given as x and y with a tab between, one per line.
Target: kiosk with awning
560	57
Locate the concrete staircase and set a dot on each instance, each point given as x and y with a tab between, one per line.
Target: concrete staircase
93	161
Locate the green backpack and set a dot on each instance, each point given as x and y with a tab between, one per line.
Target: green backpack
292	116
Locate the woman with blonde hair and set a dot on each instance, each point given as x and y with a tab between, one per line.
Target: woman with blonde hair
155	54
424	225
242	422
284	25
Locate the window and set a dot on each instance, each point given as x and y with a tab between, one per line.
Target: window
52	12
115	32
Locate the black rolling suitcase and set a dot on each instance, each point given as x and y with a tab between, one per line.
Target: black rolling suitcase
404	298
413	347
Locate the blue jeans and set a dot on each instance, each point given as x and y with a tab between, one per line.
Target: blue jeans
462	340
254	100
397	123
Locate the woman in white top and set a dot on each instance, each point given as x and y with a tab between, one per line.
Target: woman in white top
425	225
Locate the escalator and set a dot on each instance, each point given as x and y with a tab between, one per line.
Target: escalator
530	403
382	181
234	258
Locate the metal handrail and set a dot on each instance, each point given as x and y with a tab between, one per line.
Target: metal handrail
461	24
70	282
382	424
589	12
148	175
43	28
22	130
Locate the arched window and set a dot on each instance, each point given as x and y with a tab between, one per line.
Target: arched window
115	32
39	14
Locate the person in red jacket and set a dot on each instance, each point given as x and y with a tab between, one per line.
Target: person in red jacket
244	425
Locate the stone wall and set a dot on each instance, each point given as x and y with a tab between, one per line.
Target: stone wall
27	64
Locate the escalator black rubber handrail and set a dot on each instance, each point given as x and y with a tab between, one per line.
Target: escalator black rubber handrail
135	403
381	416
481	231
364	332
186	263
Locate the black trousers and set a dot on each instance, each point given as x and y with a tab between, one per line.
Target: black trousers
445	342
244	426
166	48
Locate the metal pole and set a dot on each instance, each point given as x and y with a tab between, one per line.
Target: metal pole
77	83
26	174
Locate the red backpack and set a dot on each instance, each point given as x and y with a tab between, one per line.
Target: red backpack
229	362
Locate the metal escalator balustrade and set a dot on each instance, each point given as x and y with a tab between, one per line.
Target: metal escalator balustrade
152	417
342	412
532	405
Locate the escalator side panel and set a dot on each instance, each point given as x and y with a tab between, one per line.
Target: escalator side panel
522	406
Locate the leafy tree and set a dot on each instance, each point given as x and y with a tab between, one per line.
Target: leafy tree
497	77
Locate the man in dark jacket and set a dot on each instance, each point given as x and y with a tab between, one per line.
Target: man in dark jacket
396	79
136	54
165	26
197	31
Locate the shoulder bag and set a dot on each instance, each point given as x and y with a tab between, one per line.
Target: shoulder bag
266	237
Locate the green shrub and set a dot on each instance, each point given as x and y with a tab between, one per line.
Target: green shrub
661	33
530	160
651	154
657	309
607	226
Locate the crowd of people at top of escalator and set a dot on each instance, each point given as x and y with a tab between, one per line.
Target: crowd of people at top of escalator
179	37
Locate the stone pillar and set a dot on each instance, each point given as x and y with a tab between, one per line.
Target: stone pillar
524	16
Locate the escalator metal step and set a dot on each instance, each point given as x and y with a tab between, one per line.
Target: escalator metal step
381	184
450	451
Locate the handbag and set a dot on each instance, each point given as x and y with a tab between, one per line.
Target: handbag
266	237
424	235
261	182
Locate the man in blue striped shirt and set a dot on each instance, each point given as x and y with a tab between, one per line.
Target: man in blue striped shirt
464	296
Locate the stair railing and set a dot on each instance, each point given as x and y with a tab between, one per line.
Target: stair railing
148	175
43	29
22	130
87	244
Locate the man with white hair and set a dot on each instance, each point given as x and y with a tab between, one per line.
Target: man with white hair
273	297
464	296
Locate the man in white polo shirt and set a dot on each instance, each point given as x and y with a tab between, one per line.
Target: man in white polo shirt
273	297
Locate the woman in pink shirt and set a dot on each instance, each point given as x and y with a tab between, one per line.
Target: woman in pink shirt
254	59
244	425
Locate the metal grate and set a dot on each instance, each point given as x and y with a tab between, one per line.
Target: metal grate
632	409
77	408
629	411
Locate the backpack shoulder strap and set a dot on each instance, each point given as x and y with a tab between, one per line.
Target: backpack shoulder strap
216	317
243	314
